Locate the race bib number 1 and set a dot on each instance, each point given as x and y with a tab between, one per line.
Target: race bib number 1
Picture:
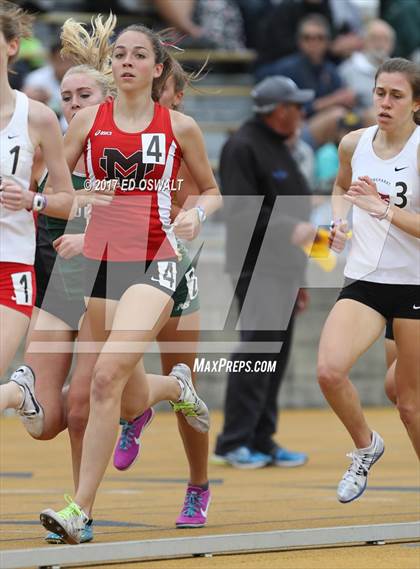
22	287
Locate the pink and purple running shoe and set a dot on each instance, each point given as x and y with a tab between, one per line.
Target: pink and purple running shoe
128	445
195	509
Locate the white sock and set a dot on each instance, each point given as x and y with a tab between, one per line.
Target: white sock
371	446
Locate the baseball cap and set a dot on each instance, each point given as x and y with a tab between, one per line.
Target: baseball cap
277	89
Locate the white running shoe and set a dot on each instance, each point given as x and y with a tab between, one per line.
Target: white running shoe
68	523
354	481
31	412
191	406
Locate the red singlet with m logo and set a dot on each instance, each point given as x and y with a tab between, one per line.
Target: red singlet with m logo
143	167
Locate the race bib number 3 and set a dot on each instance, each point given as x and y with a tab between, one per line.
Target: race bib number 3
22	287
153	148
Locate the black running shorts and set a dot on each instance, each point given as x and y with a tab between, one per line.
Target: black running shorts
390	300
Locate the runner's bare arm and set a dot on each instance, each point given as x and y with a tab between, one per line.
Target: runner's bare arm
45	133
195	157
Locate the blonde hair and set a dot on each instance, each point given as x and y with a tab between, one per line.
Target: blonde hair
91	52
15	23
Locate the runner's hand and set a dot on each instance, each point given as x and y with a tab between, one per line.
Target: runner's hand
363	193
13	196
68	246
187	224
338	236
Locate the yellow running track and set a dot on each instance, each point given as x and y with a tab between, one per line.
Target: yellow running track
143	502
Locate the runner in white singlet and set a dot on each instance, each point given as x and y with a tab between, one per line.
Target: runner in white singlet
368	198
383	268
25	126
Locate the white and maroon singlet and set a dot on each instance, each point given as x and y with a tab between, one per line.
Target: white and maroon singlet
381	252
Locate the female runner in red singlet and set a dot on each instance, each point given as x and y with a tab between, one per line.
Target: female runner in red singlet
62	304
181	329
133	146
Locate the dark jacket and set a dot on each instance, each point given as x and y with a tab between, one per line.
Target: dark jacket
257	164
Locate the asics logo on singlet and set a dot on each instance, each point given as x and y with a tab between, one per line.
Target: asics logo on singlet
103	133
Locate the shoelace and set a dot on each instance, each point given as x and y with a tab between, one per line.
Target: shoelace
71	510
187	407
192	503
359	466
127	435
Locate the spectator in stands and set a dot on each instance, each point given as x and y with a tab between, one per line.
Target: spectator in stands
216	24
404	17
327	160
347	29
276	34
358	72
252	11
310	69
43	84
31	56
267	198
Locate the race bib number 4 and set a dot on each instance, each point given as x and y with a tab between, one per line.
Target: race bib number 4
167	274
153	148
